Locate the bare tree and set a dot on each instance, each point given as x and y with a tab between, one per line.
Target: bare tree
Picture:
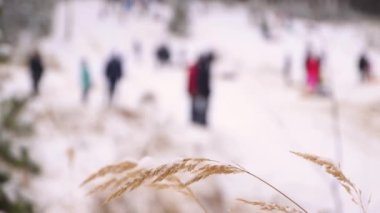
179	21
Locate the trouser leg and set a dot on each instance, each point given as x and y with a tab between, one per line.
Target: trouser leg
85	95
112	88
203	110
35	85
193	110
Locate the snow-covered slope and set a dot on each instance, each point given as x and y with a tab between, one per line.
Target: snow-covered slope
255	119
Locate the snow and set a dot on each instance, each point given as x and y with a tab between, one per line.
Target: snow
255	119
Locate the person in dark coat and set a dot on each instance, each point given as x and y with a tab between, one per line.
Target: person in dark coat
204	87
364	67
163	54
36	68
114	72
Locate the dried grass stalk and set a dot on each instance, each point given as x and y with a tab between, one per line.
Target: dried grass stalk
158	174
111	169
209	170
270	206
166	176
186	165
176	184
336	172
104	186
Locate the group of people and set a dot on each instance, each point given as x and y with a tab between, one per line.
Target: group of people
313	64
113	74
199	79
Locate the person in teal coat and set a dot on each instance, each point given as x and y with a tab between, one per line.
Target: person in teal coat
85	78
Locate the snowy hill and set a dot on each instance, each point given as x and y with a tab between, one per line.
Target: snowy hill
255	118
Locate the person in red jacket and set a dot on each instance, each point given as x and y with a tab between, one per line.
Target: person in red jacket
193	90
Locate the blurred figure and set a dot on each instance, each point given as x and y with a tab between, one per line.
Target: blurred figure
265	30
364	68
137	49
114	72
163	54
144	4
111	7
85	80
312	66
129	4
193	89
324	89
203	87
286	70
36	68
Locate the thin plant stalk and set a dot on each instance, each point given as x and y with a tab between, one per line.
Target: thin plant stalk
273	187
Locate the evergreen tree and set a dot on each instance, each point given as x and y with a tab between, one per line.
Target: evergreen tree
13	159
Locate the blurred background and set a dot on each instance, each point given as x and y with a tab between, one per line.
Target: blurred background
88	83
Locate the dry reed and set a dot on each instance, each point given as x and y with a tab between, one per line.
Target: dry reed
336	172
166	177
111	169
136	178
209	170
270	206
177	185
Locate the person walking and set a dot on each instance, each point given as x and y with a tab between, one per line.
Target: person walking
193	90
364	68
36	68
312	66
114	72
163	54
204	87
85	78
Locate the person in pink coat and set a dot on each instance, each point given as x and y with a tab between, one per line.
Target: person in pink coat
312	66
